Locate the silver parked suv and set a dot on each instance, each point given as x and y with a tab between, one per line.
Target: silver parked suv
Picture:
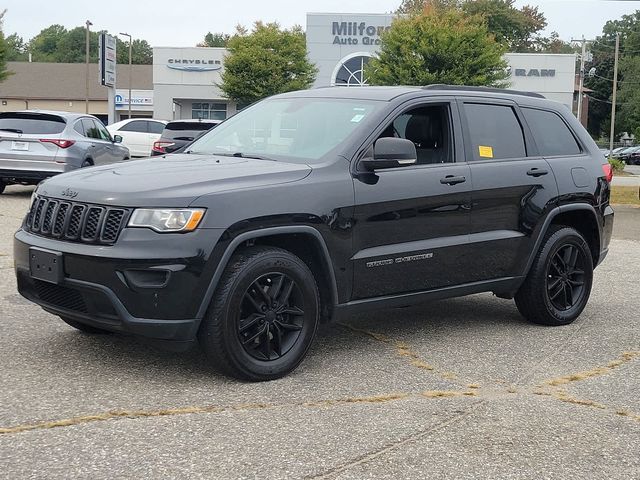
36	144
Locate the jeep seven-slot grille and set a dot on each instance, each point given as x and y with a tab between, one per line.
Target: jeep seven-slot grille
76	222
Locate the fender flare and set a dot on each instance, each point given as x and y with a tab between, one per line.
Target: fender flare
547	222
252	234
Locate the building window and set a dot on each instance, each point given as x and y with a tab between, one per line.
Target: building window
209	111
350	71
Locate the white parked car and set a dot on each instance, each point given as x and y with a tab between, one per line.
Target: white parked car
138	134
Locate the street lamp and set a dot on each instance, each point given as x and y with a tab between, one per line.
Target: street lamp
130	68
86	82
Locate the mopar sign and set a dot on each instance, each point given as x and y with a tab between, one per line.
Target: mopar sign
194	65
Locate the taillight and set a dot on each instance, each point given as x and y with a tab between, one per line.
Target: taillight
59	143
160	146
608	171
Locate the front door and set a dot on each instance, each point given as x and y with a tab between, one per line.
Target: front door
412	223
513	188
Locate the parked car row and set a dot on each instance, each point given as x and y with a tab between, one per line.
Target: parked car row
37	144
630	155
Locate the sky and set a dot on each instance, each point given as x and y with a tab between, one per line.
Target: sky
179	23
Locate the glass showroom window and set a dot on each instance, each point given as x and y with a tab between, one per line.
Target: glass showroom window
350	71
209	111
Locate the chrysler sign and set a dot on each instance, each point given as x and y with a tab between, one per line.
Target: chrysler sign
194	64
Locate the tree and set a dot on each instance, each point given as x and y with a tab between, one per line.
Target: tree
16	48
215	40
71	46
44	45
514	27
438	47
4	73
265	62
141	52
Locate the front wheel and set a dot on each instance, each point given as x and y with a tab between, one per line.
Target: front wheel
559	283
263	316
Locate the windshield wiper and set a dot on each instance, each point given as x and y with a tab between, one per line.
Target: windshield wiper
14	130
236	155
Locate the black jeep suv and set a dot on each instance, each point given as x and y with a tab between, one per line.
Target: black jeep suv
315	204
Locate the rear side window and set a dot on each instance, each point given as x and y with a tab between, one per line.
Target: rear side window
135	126
31	123
494	132
78	127
155	127
551	134
185	130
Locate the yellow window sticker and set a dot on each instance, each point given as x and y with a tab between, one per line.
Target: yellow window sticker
485	152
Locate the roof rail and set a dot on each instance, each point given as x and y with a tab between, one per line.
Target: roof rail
464	88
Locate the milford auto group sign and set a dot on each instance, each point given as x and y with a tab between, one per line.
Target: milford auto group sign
355	33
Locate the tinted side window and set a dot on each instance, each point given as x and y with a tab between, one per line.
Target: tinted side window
426	127
102	131
91	131
155	127
79	128
551	134
135	126
494	131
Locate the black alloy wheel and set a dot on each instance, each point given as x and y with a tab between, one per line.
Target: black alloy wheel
271	316
558	284
263	316
565	277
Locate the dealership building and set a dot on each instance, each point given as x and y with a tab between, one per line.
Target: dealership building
183	83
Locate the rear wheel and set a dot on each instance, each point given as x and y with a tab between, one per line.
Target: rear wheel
559	283
84	328
86	163
2	186
263	316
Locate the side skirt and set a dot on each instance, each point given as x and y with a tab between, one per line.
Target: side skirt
502	287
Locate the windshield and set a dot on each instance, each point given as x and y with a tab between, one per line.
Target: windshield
302	129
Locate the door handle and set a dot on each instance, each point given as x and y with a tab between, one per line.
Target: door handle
536	172
453	179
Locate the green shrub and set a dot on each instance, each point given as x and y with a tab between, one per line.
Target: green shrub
617	164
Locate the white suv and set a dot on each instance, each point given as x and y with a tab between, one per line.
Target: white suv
138	134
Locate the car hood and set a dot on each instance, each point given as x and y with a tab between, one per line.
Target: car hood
171	181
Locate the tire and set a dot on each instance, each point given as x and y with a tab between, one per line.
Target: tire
86	163
248	336
2	186
558	285
84	328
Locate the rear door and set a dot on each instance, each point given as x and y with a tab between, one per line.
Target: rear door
25	141
513	187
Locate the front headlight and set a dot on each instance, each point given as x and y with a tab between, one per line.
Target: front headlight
166	219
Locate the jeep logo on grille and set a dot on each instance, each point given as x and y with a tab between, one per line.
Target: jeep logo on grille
69	193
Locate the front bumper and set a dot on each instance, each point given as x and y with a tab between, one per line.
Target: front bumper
147	284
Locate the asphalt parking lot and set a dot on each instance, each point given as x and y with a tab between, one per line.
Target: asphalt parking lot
462	388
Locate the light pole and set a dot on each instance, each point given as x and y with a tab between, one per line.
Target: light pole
86	59
130	68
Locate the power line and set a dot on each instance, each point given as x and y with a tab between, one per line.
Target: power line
611	80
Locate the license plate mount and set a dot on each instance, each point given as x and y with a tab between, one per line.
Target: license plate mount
46	265
21	146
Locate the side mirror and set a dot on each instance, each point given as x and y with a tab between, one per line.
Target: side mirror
117	139
391	152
